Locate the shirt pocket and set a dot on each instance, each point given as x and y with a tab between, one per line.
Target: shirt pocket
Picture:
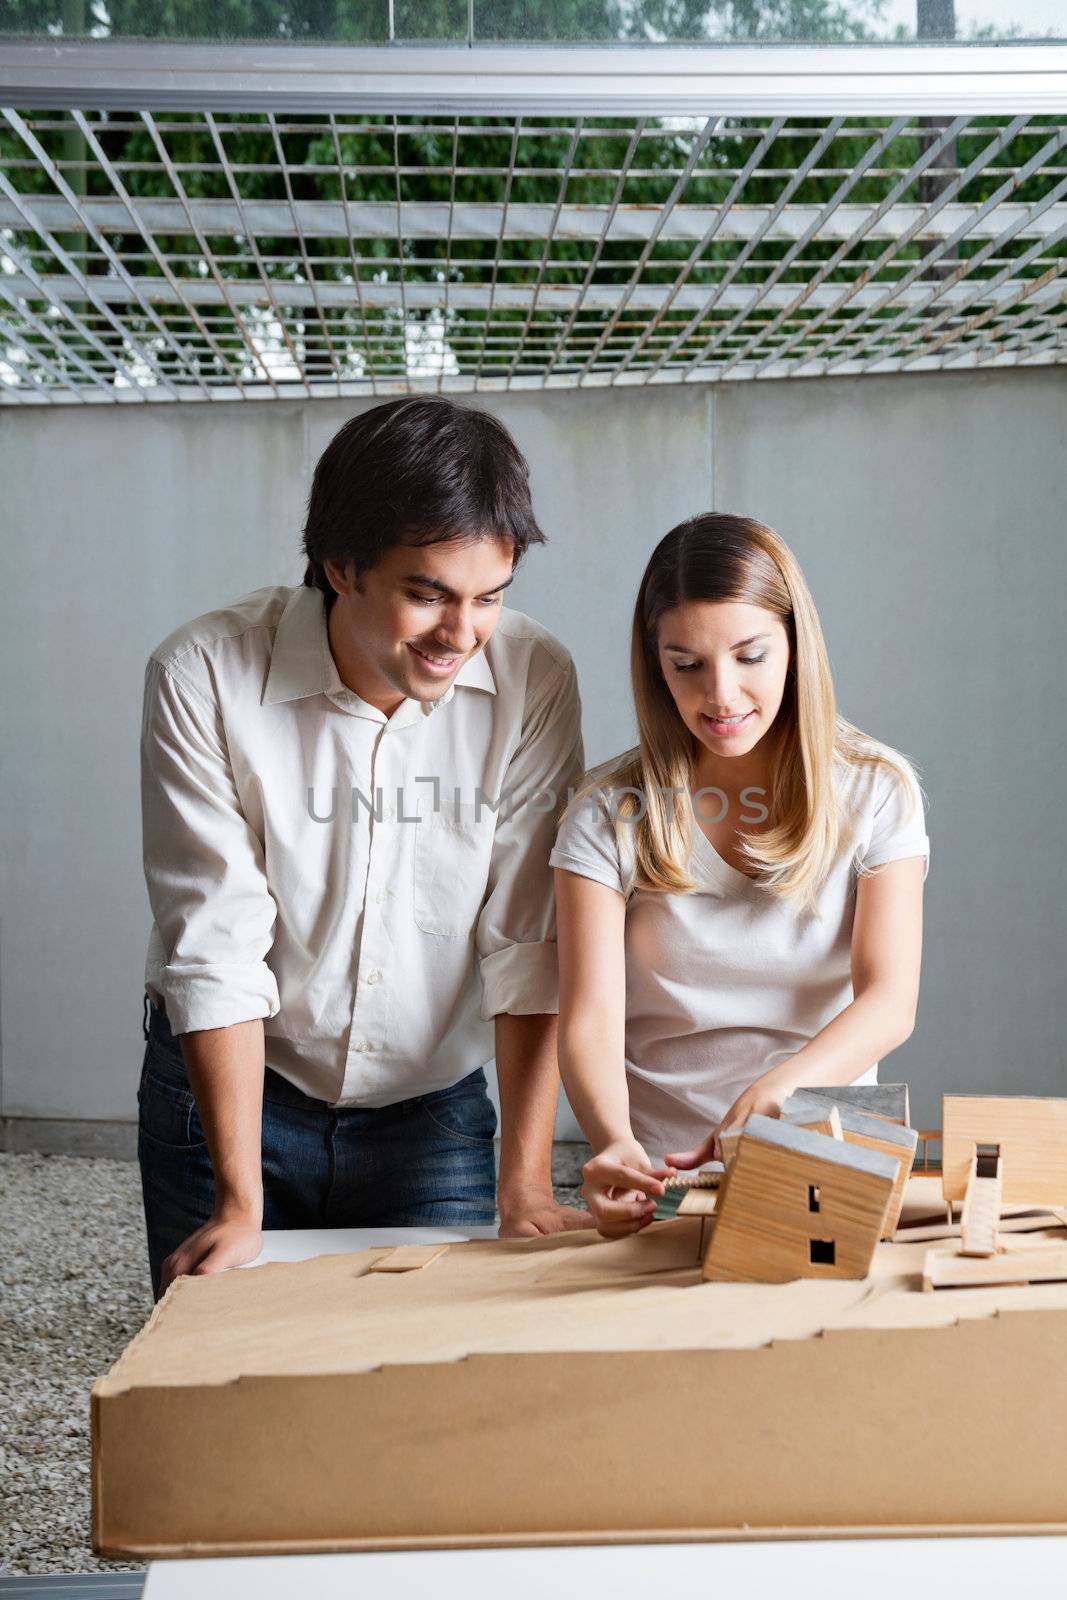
453	849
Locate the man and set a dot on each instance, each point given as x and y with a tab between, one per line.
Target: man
349	791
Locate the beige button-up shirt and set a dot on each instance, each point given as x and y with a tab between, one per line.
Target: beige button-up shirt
376	889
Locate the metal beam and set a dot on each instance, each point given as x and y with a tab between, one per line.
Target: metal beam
358	388
552	298
326	219
701	80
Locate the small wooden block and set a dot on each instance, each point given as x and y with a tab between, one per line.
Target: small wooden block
698	1201
944	1269
819	1124
981	1206
827	1122
728	1143
408	1257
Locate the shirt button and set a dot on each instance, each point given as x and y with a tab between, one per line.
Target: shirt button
374	977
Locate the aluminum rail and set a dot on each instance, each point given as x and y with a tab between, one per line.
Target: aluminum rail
615	80
189	292
330	219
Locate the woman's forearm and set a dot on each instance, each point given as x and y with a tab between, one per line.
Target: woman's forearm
594	1075
871	1026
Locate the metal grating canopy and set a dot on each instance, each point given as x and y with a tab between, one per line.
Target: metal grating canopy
211	255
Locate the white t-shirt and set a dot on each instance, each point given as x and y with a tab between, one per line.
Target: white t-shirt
726	982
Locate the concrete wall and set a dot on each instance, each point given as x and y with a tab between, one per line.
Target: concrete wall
925	511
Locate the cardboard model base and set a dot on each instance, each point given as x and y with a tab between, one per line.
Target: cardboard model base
571	1390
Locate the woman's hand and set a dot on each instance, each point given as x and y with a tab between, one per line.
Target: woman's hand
764	1098
619	1187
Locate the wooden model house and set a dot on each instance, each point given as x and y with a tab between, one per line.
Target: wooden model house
1030	1134
798	1204
870	1133
820	1112
804	1112
1000	1150
888	1100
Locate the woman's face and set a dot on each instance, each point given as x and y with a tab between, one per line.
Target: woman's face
725	664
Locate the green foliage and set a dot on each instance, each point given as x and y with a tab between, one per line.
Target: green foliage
366	21
839	21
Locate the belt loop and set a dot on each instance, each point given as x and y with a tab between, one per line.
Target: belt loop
144	1016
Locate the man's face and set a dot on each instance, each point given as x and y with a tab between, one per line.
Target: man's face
404	629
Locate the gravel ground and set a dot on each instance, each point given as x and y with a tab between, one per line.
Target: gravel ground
74	1289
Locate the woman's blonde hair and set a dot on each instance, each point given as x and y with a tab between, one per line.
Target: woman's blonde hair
719	557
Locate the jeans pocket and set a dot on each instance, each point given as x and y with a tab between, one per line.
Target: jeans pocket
465	1112
168	1114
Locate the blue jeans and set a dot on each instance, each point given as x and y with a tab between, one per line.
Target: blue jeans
427	1162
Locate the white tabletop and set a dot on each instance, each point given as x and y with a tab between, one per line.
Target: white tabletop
796	1569
876	1569
300	1244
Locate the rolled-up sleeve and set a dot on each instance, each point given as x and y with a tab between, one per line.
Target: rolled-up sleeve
204	865
516	932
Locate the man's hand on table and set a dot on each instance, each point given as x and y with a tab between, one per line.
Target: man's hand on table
528	1213
232	1241
226	1241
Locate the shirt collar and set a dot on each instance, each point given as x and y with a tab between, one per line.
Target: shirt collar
302	663
473	674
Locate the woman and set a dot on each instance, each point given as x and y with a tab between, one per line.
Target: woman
721	877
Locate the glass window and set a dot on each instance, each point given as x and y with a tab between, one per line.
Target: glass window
545	21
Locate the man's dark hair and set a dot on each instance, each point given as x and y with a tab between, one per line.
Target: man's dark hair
420	470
